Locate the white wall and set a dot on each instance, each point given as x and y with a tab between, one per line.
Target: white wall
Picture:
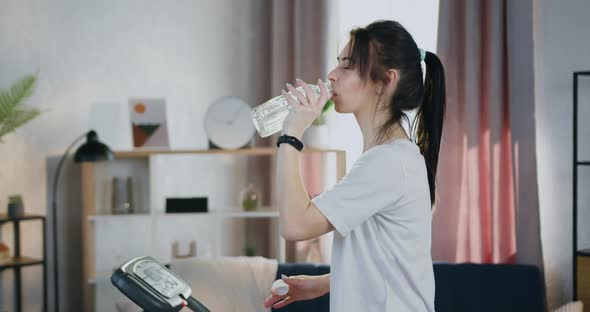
561	47
420	19
91	57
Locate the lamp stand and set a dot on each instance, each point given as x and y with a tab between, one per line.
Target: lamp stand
54	220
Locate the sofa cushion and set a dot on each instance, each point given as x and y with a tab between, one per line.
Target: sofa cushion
488	287
459	287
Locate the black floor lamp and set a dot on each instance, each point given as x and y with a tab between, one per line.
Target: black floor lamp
91	151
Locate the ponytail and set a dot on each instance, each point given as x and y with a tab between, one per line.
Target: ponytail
431	116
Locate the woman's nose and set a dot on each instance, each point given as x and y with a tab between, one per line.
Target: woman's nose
332	76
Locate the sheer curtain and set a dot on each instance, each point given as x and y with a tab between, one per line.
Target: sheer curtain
475	219
296	49
489	206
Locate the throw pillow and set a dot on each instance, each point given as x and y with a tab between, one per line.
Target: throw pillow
576	306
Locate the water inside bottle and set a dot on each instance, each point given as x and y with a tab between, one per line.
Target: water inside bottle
269	116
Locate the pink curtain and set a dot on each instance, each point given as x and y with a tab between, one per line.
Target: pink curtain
474	220
296	50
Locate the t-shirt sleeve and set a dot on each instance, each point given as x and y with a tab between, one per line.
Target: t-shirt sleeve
372	185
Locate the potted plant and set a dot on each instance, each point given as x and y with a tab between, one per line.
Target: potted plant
249	251
316	135
13	113
250	198
15	206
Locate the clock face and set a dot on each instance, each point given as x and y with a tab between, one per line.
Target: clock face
228	123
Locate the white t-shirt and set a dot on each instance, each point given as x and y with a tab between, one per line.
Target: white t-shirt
381	258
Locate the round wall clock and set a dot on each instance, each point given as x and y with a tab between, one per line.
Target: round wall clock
228	124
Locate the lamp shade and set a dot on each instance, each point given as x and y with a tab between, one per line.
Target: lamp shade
93	150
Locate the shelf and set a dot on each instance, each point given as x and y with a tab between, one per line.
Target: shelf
582	73
583	163
222	232
19	262
6	218
236	213
265	212
107	217
260	151
584	252
250	214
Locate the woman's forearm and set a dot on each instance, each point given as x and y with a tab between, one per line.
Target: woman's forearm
326	283
291	195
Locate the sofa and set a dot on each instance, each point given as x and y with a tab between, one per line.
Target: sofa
459	287
242	284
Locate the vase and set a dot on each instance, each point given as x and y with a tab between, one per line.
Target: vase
16	210
122	195
250	198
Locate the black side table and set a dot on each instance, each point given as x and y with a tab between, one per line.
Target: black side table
18	261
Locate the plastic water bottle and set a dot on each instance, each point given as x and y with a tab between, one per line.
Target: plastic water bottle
269	116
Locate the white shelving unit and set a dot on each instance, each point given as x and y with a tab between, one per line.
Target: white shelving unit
111	239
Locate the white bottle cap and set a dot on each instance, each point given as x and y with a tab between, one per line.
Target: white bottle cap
280	287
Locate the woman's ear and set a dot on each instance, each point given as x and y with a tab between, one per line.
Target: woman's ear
392	78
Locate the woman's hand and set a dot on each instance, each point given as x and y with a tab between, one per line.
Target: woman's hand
301	287
304	109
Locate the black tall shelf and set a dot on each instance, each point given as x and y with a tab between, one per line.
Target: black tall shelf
18	261
579	252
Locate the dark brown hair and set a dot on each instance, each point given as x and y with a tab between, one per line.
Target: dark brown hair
385	45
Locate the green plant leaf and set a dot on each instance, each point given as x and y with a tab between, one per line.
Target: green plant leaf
16	199
18	92
17	119
13	113
23	89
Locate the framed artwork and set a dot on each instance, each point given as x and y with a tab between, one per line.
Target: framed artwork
148	122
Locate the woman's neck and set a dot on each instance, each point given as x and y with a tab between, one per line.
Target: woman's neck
370	128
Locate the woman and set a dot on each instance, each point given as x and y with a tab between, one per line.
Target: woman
381	210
